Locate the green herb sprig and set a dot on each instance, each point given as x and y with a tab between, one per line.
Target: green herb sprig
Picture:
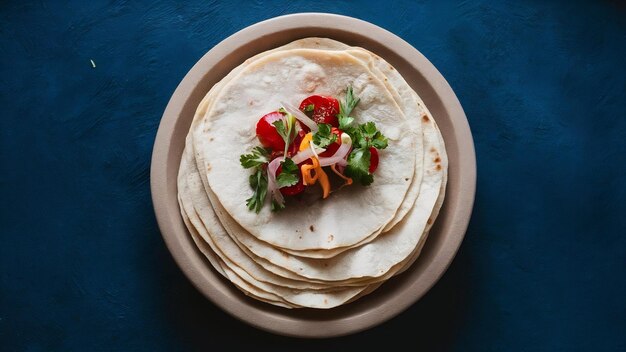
288	175
324	136
363	137
286	129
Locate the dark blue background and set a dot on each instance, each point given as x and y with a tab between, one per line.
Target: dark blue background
82	263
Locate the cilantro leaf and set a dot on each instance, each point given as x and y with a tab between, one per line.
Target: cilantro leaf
358	166
288	175
258	157
280	128
358	140
258	182
379	141
324	136
368	129
373	137
367	135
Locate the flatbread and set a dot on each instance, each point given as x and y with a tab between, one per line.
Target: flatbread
268	256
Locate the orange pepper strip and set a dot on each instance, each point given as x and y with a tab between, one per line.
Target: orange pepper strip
308	178
323	178
306	140
313	173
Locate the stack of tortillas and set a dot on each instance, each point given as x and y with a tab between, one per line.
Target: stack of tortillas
315	253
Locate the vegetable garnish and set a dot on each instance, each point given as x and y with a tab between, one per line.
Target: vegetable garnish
286	129
340	155
288	175
359	165
278	202
345	109
258	157
321	109
306	141
364	137
258	182
323	137
290	109
309	178
335	141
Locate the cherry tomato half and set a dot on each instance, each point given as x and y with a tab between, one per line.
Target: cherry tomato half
266	132
325	109
295	145
373	160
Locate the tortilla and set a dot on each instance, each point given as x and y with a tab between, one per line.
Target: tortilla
274	257
227	132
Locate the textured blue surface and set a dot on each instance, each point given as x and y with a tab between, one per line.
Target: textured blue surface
82	263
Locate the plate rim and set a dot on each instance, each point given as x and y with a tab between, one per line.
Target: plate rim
207	281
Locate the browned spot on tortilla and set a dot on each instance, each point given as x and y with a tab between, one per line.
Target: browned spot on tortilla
284	254
325	301
437	159
311	228
438	167
425	118
208	167
406	178
300	237
251	102
386	80
433	150
317	42
430	221
330	238
300	269
391	67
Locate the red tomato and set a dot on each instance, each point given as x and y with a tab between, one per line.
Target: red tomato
332	148
373	160
325	109
295	145
266	132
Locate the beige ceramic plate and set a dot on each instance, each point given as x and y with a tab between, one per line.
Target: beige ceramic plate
444	240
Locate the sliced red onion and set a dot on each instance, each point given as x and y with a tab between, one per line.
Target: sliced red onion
339	157
272	188
300	116
302	156
306	154
312	147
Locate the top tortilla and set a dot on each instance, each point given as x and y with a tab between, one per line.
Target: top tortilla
227	131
